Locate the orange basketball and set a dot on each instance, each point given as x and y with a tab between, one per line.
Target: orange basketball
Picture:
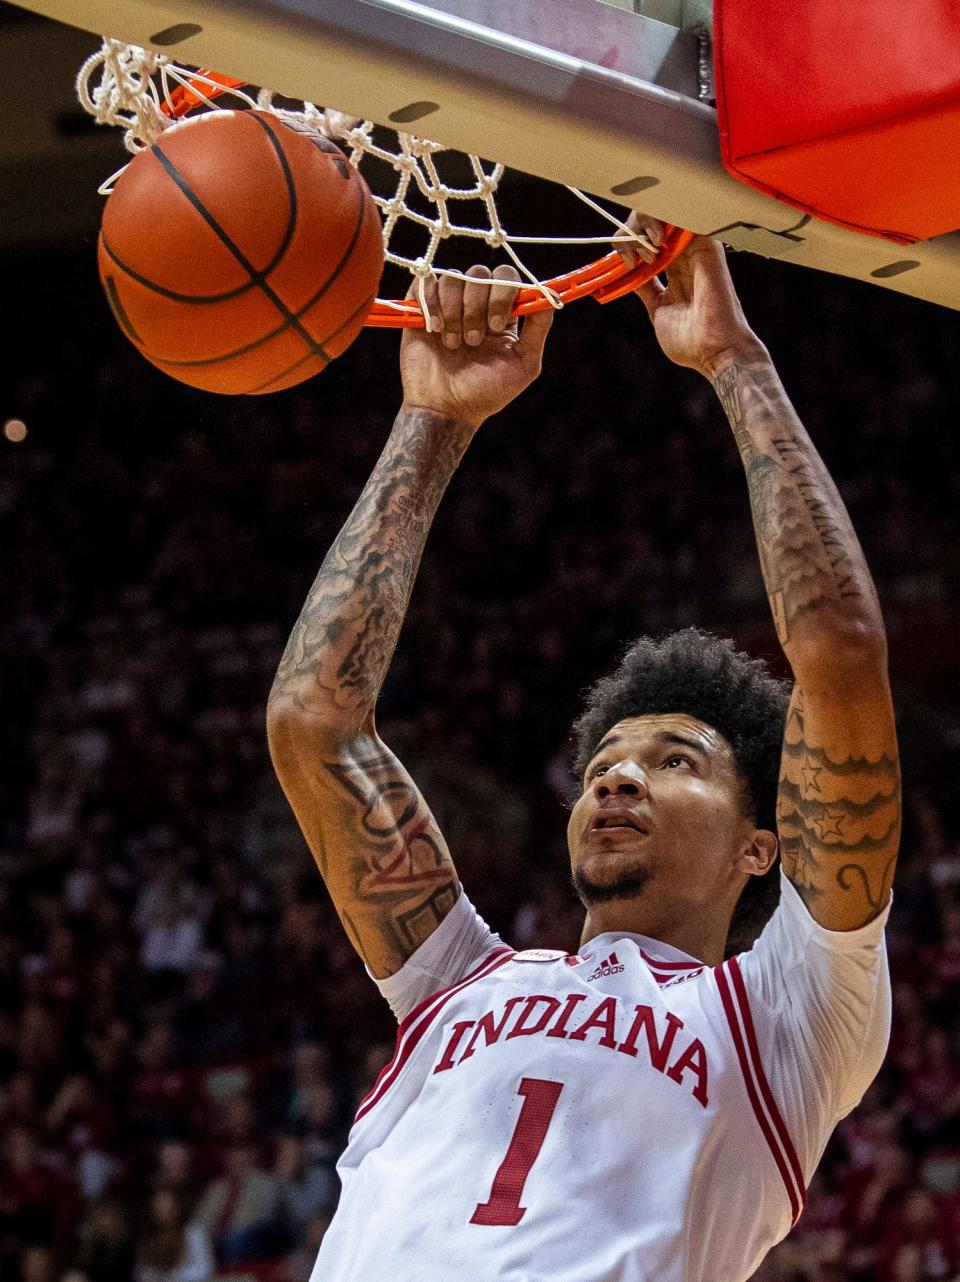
239	254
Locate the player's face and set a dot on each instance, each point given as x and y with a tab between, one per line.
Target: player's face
661	818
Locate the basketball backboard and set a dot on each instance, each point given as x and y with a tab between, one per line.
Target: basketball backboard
591	94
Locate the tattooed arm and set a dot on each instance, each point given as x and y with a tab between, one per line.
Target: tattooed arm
375	841
838	808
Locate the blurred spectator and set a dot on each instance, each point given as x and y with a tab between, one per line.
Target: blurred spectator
172	1248
236	1122
206	1032
917	1245
240	1209
18	1102
105	1251
166	1099
298	1265
39	1037
943	956
932	1090
873	1197
306	1190
37	1264
36	1202
173	939
81	1123
309	1068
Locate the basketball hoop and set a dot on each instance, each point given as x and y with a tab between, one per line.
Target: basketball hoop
146	93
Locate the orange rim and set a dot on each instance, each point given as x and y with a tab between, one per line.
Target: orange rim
184	98
604	279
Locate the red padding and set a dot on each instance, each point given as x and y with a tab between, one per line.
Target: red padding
847	110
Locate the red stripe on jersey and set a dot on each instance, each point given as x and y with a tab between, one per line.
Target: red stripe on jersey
740	988
434	997
661	978
730	1010
668	965
413	1027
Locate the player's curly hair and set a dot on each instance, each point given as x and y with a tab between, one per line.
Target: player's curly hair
705	676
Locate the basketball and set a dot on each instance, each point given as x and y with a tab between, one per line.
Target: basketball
239	254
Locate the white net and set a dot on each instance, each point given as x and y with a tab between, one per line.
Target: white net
145	93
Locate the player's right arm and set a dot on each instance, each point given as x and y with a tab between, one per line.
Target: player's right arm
838	803
371	833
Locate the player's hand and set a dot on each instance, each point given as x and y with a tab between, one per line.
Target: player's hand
475	359
697	315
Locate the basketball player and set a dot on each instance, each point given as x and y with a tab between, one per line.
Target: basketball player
644	1111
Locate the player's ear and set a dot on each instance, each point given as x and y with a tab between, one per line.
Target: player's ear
758	857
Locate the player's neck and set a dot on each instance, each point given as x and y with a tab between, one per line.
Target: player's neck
702	939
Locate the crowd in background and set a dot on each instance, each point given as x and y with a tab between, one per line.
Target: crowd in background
184	1029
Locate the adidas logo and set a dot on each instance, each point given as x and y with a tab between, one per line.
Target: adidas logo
609	966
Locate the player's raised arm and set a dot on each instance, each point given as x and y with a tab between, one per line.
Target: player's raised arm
375	841
838	807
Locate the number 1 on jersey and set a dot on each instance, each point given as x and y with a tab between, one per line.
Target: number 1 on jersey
536	1113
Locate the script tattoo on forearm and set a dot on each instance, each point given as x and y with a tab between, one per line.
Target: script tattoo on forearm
394	865
341	646
839	821
809	553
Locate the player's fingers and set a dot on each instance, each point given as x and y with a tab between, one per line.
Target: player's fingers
502	297
429	304
536	327
650	233
652	229
476	300
650	294
451	305
703	257
629	250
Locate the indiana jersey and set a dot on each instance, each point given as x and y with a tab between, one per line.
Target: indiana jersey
623	1115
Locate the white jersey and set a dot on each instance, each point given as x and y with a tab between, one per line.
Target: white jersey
624	1115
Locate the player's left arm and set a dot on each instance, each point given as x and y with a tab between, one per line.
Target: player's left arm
838	803
839	797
